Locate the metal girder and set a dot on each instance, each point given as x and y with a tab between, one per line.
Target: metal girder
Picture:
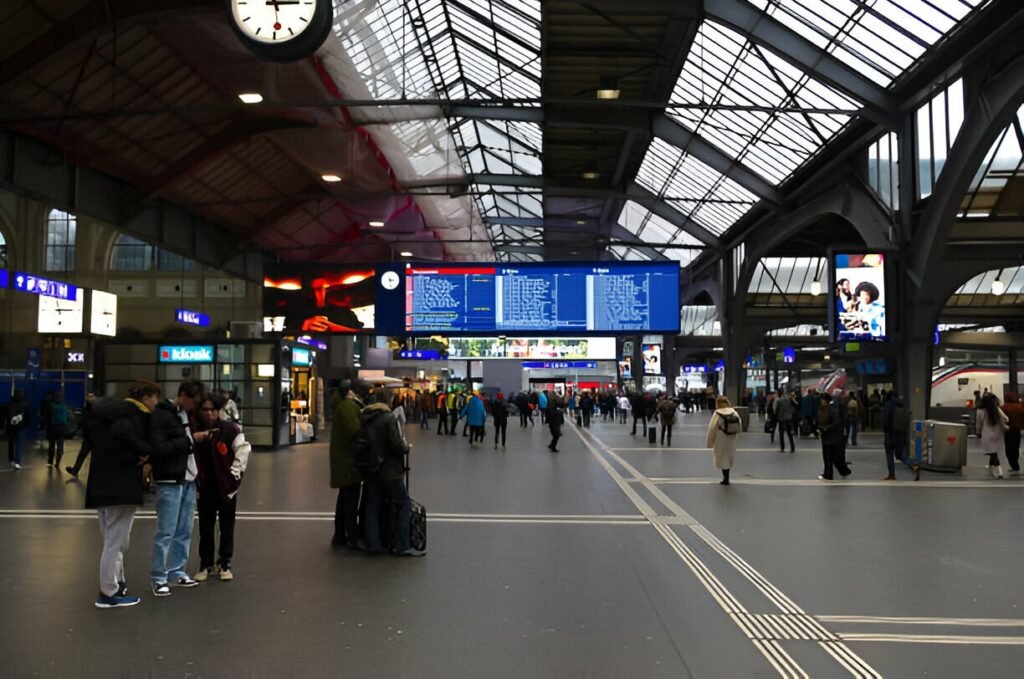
520	249
769	33
670	131
39	170
990	110
502	112
642	196
92	16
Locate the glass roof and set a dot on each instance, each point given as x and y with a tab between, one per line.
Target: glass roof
651	228
804	330
781	276
704	195
998	187
699	320
880	39
794	114
980	286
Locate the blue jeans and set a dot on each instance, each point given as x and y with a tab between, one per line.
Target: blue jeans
15	443
395	494
175	513
851	431
895	449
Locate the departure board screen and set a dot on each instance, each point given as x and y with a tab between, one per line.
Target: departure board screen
609	297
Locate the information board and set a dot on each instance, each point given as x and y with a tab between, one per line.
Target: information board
571	297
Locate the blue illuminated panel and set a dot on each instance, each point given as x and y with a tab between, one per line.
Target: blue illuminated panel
37	285
189	317
565	298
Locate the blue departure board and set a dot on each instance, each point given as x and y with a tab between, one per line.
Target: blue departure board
609	297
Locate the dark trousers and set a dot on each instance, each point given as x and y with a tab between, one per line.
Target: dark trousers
524	415
642	419
424	424
832	456
83	453
499	430
454	423
56	445
1012	441
442	421
586	416
895	449
394	493
786	428
346	516
476	433
211	505
556	433
465	428
666	430
543	415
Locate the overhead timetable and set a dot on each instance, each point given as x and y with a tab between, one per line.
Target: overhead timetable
570	297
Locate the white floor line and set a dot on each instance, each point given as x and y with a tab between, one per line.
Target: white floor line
946	639
817	483
653	448
945	622
785	666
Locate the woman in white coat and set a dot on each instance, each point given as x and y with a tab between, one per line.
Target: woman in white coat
723	431
993	423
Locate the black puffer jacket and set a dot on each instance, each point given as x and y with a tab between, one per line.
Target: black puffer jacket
120	438
171	444
385	437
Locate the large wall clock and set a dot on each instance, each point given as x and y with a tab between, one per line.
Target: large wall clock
281	30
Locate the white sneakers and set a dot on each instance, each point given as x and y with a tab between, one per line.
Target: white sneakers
997	472
223	573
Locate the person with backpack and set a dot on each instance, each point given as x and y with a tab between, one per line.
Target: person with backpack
993	425
830	425
475	414
667	414
554	418
385	484
894	427
345	411
586	408
499	411
784	412
723	432
15	428
542	405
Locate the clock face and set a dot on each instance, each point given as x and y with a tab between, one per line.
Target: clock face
390	280
273	21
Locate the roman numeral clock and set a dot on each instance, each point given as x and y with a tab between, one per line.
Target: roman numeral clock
281	30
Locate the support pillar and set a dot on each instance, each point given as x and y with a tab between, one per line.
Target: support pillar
1014	386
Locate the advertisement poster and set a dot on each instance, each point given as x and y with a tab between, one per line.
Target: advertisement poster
652	359
626	368
327	299
860	298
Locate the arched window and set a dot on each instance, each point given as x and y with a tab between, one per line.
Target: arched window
131	254
3	251
60	241
168	261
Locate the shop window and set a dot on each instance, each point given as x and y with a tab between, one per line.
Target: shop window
938	123
60	241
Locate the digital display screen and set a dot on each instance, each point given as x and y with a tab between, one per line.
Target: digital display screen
332	299
652	359
859	297
626	368
610	297
301	356
531	347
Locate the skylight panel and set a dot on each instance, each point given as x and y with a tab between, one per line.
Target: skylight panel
880	39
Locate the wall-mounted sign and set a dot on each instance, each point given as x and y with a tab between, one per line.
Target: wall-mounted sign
3	278
301	356
694	369
74	357
421	354
191	317
652	359
789	355
626	368
103	314
310	342
558	365
190	353
61	316
37	285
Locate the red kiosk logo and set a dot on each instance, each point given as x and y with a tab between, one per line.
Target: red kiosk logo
164	354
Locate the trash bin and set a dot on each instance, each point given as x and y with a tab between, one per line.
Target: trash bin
744	413
947	444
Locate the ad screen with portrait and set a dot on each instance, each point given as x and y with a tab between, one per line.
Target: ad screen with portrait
330	299
652	359
859	297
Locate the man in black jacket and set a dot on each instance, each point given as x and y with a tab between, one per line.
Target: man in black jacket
386	484
174	471
830	424
555	418
85	426
120	437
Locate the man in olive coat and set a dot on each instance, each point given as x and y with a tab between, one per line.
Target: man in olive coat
346	407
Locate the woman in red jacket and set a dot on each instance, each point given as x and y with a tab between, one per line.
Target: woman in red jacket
221	459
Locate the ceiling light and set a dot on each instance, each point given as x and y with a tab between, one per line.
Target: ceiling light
330	178
816	287
608	88
573	252
591	174
250	97
581	221
376	224
998	287
405	253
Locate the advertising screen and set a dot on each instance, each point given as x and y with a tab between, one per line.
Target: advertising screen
301	356
563	298
531	347
652	359
626	368
301	298
859	297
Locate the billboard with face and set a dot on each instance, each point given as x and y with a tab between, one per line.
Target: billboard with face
333	299
859	297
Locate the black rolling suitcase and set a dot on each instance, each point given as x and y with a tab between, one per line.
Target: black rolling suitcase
652	434
417	522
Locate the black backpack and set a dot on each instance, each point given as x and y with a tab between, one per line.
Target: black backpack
729	424
368	460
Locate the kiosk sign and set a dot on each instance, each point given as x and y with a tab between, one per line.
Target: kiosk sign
192	353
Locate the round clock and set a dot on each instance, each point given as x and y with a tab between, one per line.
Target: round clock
281	30
390	280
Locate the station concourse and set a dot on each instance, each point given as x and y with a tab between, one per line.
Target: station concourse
615	216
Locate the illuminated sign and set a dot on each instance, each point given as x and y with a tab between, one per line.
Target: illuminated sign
789	355
558	365
694	369
191	353
3	278
37	285
191	317
301	356
421	354
310	342
75	357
